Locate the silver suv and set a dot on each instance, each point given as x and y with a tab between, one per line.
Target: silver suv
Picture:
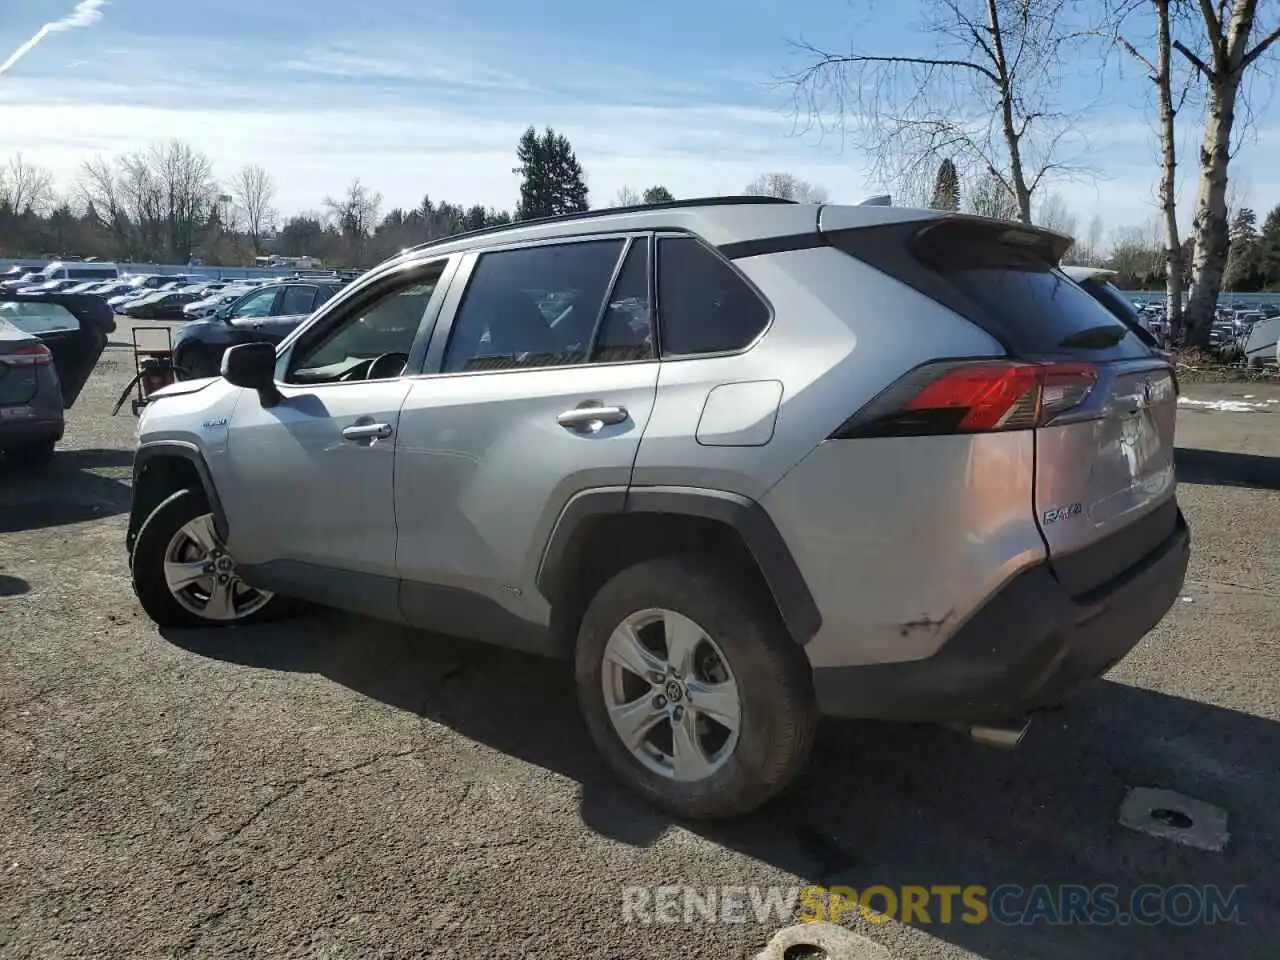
743	462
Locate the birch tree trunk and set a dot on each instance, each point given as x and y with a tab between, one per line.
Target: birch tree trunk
1210	226
1224	68
1168	169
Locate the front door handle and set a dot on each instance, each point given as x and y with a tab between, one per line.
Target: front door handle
591	416
362	432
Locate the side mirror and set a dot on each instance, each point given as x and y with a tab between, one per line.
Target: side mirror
253	366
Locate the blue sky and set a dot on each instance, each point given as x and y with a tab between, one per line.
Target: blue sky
429	97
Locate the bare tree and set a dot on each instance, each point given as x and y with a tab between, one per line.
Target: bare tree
355	214
154	201
989	97
626	197
785	186
1226	28
989	197
254	189
1052	214
1171	95
1090	252
99	191
187	191
25	188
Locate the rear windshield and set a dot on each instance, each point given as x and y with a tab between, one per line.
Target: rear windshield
38	318
1001	278
1123	310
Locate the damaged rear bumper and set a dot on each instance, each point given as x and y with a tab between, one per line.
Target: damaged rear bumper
1030	646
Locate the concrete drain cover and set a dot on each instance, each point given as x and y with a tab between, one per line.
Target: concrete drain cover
1171	816
821	941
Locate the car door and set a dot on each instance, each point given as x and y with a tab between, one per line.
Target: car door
74	328
308	483
538	384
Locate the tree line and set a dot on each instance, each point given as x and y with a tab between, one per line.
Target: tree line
164	204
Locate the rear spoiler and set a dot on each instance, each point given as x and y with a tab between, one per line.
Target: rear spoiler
962	228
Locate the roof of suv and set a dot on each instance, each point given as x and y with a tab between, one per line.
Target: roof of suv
738	226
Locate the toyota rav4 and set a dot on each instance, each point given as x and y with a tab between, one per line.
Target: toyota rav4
743	462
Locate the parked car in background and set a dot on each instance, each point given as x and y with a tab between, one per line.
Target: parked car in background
159	305
1097	283
1262	346
268	313
79	270
48	347
209	305
49	286
741	462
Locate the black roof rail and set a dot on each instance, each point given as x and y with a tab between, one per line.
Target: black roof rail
602	212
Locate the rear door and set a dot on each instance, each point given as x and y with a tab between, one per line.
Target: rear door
73	327
541	379
1104	487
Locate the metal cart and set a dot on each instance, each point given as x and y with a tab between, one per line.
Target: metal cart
153	359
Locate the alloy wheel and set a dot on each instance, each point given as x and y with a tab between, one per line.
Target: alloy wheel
202	575
670	695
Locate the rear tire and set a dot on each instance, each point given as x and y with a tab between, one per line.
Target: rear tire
154	556
36	454
741	636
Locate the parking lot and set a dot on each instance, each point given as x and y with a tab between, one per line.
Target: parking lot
334	787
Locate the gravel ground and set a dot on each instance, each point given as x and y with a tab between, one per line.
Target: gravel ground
338	788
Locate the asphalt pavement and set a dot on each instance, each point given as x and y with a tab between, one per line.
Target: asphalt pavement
334	787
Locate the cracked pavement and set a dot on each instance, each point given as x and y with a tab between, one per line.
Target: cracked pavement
337	788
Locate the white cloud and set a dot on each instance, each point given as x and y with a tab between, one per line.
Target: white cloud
412	121
84	14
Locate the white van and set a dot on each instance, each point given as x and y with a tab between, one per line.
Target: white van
78	270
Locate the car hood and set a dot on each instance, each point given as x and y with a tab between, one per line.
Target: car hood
75	352
180	387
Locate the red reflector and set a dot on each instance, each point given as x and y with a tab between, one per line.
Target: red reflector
35	355
1006	396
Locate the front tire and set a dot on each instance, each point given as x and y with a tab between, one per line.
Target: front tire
693	690
184	577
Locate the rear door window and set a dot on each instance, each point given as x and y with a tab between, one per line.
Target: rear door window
297	299
704	306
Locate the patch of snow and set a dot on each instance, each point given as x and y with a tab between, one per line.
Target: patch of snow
1229	406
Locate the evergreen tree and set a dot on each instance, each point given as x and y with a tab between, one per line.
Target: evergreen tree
658	195
552	179
946	188
1269	249
1242	258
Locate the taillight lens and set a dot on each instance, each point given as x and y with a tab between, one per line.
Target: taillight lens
35	355
973	397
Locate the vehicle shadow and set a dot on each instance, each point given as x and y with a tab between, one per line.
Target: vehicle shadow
1226	468
13	586
65	491
881	804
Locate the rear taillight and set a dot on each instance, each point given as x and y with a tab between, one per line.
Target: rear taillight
973	397
35	355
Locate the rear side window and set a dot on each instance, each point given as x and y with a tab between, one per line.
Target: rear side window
704	306
1003	279
296	300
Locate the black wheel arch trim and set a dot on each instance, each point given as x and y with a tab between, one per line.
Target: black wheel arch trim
744	515
183	450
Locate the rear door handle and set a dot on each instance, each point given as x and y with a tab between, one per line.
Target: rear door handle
366	431
591	416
